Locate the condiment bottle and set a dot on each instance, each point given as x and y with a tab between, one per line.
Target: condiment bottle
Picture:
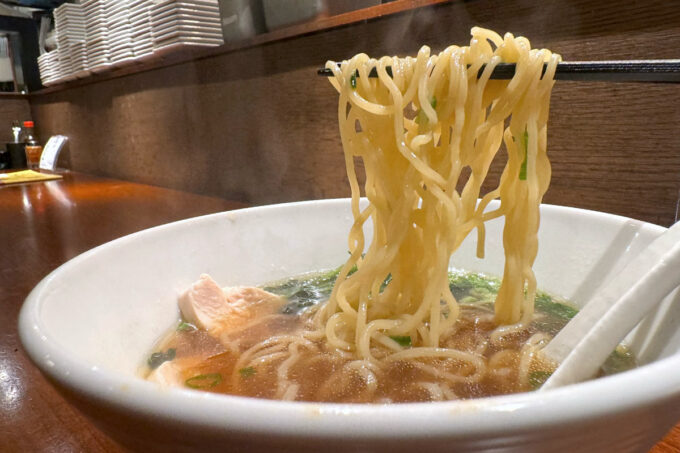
15	156
33	146
16	132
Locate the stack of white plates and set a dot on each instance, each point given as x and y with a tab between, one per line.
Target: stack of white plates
69	21
79	58
48	63
185	23
65	67
142	42
120	32
97	43
100	34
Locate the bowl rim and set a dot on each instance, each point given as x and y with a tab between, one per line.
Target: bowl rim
653	383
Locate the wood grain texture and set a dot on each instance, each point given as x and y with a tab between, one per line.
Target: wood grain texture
12	107
43	225
257	125
335	17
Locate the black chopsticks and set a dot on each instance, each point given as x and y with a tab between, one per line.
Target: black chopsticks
590	71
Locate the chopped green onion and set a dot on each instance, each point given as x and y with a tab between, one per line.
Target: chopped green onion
157	358
461	284
353	81
386	282
538	378
545	303
525	145
247	372
204	381
619	360
185	326
480	293
301	294
404	341
421	118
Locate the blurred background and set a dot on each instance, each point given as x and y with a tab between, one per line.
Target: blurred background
246	118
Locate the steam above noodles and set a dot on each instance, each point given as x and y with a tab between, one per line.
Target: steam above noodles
418	127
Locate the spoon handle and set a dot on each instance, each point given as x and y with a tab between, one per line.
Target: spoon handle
586	342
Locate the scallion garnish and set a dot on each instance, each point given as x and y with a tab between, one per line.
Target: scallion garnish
186	326
157	358
204	381
421	118
353	80
247	372
386	282
404	341
538	378
525	145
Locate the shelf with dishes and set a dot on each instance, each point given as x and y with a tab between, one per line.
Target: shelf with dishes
100	35
242	36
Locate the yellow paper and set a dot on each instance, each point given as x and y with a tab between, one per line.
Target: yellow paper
25	176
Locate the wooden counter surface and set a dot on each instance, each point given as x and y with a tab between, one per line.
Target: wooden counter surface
42	225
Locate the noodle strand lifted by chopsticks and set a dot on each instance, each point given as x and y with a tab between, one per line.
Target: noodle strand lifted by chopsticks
418	132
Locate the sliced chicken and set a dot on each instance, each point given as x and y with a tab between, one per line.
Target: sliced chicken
204	304
168	374
218	310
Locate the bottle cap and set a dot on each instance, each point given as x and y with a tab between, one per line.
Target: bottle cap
28	123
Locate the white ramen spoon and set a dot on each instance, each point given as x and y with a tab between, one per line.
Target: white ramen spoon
584	344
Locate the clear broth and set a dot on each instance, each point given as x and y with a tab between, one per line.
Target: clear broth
322	376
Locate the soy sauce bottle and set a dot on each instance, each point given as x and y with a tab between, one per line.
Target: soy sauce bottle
33	147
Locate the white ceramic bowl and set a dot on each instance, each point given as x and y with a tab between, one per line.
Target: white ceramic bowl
92	322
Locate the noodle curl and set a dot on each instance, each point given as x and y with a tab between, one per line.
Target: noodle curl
428	129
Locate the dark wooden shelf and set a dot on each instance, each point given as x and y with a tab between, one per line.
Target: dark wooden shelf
7	94
192	54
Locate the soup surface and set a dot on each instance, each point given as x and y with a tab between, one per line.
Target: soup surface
270	356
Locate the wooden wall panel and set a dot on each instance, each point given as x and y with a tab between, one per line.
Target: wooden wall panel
258	125
12	108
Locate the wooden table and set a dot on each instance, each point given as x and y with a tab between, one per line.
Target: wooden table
42	225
